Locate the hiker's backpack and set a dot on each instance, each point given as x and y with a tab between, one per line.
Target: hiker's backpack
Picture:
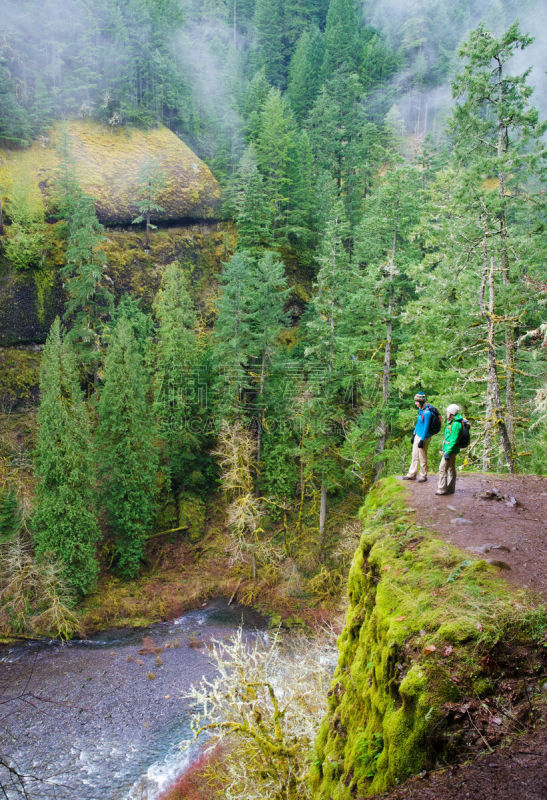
465	433
435	422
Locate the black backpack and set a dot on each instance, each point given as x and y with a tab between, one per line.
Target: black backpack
464	436
435	423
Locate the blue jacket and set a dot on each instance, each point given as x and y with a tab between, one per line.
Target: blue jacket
422	423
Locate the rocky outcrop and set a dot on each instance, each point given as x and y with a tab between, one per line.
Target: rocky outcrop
434	645
30	300
112	166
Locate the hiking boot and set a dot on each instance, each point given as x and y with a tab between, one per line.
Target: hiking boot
408	478
421	480
441	493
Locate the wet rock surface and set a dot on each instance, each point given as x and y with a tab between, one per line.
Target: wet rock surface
101	719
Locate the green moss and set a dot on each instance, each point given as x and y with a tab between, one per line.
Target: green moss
19	377
421	618
191	514
108	164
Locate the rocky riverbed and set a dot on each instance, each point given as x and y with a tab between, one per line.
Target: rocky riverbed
101	719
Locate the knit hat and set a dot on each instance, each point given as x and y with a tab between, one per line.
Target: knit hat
420	396
452	410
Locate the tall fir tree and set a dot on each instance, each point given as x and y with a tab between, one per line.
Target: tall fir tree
342	41
275	150
387	252
176	375
268	298
327	358
64	521
498	136
89	299
268	46
126	452
234	346
305	72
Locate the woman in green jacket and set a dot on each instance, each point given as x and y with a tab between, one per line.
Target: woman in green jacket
447	467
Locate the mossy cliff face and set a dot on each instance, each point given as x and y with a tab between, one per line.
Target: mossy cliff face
29	301
109	166
421	625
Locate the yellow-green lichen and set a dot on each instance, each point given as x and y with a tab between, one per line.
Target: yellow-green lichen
421	618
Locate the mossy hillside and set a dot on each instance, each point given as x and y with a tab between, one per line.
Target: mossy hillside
108	164
422	623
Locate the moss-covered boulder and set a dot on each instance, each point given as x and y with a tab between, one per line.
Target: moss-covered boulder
110	165
431	637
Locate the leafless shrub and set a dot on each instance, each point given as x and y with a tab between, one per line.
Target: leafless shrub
266	704
33	597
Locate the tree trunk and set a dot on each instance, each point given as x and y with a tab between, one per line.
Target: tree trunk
487	445
1	219
510	329
387	359
496	418
259	426
322	510
147	234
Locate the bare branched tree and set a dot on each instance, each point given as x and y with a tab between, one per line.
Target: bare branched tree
266	703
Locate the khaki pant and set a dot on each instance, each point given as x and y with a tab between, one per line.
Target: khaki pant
447	475
419	458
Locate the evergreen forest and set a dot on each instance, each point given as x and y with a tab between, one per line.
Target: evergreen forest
388	241
209	360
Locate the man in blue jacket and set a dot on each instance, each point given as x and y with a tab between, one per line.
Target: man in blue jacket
420	441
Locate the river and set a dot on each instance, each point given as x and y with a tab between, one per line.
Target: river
99	720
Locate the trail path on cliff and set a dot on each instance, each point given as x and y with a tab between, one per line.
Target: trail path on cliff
503	520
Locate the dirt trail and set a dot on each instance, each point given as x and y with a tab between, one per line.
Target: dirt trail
510	531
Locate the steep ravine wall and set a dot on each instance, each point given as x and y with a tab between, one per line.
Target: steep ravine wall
433	644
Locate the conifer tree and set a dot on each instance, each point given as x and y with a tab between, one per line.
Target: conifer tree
14	122
89	300
384	245
301	215
336	127
341	37
126	453
275	150
253	103
254	216
268	297
305	72
268	41
498	135
64	522
327	357
234	344
175	375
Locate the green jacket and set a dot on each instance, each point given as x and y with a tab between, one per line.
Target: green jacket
451	433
